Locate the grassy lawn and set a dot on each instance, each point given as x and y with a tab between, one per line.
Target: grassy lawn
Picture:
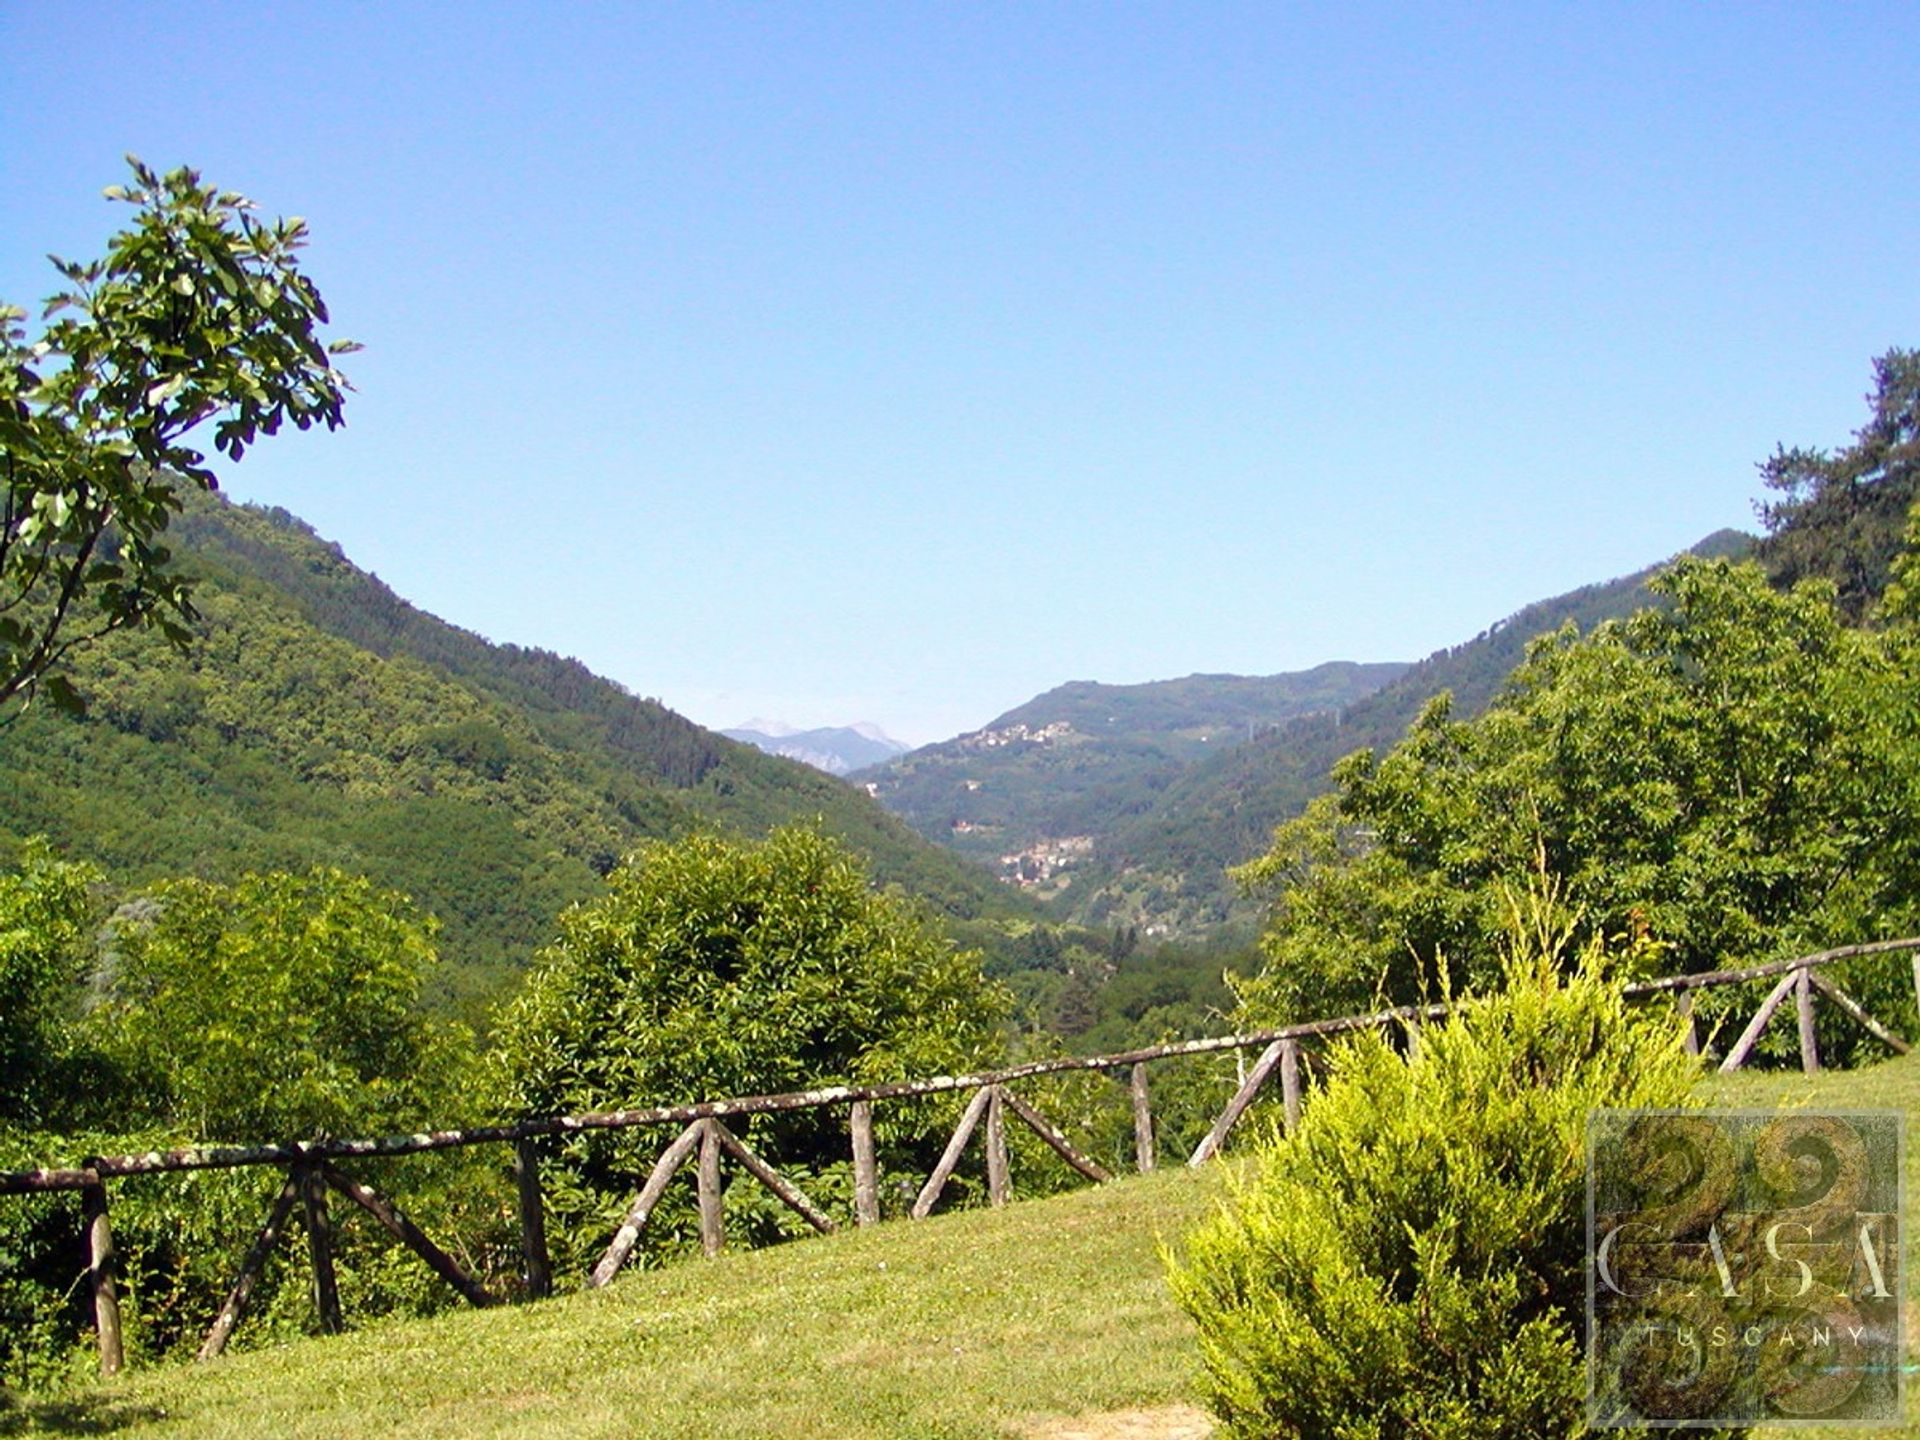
1894	1085
982	1324
973	1325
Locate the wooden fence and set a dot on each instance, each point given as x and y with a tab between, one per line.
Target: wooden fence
312	1168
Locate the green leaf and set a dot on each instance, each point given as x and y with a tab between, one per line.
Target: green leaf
63	697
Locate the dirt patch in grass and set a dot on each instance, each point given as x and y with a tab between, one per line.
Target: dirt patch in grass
1165	1422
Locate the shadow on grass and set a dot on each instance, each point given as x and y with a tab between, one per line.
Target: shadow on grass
82	1416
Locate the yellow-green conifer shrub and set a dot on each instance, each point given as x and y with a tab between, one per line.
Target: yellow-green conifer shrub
1411	1261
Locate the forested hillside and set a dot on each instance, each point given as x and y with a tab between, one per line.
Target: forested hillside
1067	768
1166	864
320	718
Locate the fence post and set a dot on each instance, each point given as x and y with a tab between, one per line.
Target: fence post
950	1157
533	1219
713	1232
628	1235
250	1268
1290	1082
106	1292
1803	1001
326	1291
1684	1003
866	1173
1142	1119
1243	1097
998	1188
1055	1137
1737	1056
407	1233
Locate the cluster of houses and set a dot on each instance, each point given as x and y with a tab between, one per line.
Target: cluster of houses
1041	862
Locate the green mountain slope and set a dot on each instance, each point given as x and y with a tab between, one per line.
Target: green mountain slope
1081	759
321	718
1166	865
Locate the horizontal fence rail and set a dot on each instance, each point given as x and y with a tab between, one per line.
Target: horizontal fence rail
705	1139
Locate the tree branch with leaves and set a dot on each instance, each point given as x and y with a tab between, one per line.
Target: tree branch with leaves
198	314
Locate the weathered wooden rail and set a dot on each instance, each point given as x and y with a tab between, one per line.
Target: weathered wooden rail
705	1138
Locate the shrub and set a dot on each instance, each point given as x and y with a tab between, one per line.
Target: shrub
1411	1260
714	968
46	912
273	1007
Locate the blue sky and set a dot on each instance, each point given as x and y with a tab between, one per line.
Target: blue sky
896	362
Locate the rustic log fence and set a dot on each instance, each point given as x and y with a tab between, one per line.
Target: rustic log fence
312	1170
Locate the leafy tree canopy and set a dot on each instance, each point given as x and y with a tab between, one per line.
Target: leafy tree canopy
1840	515
197	313
1726	778
271	1008
320	719
47	913
712	967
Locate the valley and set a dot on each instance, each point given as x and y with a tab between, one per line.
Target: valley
1128	804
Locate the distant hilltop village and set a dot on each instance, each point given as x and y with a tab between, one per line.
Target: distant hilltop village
1017	735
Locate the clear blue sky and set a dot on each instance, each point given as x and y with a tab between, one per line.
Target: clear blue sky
831	362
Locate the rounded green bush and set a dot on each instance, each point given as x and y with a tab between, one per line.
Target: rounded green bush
1411	1261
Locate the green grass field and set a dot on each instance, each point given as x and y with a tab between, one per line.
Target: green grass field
1049	1318
979	1324
1894	1085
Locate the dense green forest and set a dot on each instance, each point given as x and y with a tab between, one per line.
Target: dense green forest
1169	865
320	719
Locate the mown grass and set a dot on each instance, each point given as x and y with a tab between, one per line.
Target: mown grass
975	1325
962	1327
1893	1085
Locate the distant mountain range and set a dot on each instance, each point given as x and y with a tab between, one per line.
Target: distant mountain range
1126	804
835	749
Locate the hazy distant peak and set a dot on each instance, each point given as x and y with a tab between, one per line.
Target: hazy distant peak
835	749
